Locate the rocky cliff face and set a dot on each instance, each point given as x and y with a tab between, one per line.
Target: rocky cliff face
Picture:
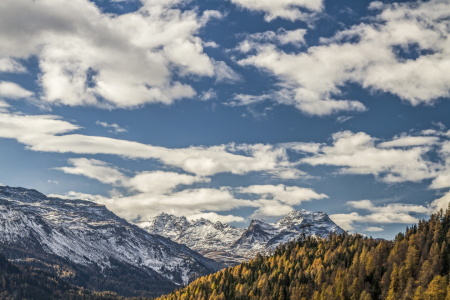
85	235
232	245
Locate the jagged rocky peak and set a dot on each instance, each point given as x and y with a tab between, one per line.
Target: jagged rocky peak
201	222
293	218
229	244
165	225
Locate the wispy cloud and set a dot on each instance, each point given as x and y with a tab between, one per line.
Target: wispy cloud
114	127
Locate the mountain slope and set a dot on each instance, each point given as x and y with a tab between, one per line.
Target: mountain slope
19	282
81	235
413	267
208	238
264	236
231	245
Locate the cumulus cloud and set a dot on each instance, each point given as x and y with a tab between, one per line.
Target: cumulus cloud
279	200
8	65
291	10
114	127
441	203
158	191
357	153
394	213
291	195
281	37
371	54
12	90
87	57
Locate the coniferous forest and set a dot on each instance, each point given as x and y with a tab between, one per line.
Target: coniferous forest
415	266
18	282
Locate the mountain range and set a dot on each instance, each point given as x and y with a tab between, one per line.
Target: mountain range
231	245
88	245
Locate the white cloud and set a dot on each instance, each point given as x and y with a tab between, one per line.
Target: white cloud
270	208
115	128
410	141
87	57
343	119
48	134
281	37
170	192
13	91
296	37
213	217
395	213
357	153
442	180
441	203
95	169
191	203
291	195
4	106
9	65
303	147
345	221
374	229
390	208
159	182
368	54
279	200
208	95
224	72
287	9
154	183
210	44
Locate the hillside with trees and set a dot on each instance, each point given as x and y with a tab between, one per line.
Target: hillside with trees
415	266
18	282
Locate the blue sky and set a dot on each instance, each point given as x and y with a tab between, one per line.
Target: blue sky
230	109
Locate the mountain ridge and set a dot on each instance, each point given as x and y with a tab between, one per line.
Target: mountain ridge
79	234
231	245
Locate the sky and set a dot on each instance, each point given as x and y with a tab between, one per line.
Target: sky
230	109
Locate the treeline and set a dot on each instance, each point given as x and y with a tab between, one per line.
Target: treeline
415	266
17	282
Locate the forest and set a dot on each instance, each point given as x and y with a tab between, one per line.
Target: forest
18	282
414	266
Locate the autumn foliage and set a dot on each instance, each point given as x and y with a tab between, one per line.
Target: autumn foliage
415	266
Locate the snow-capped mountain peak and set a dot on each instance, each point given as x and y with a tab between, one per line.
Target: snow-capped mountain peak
229	244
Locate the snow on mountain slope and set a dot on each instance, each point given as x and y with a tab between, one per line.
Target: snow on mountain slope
232	245
261	236
89	234
208	238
